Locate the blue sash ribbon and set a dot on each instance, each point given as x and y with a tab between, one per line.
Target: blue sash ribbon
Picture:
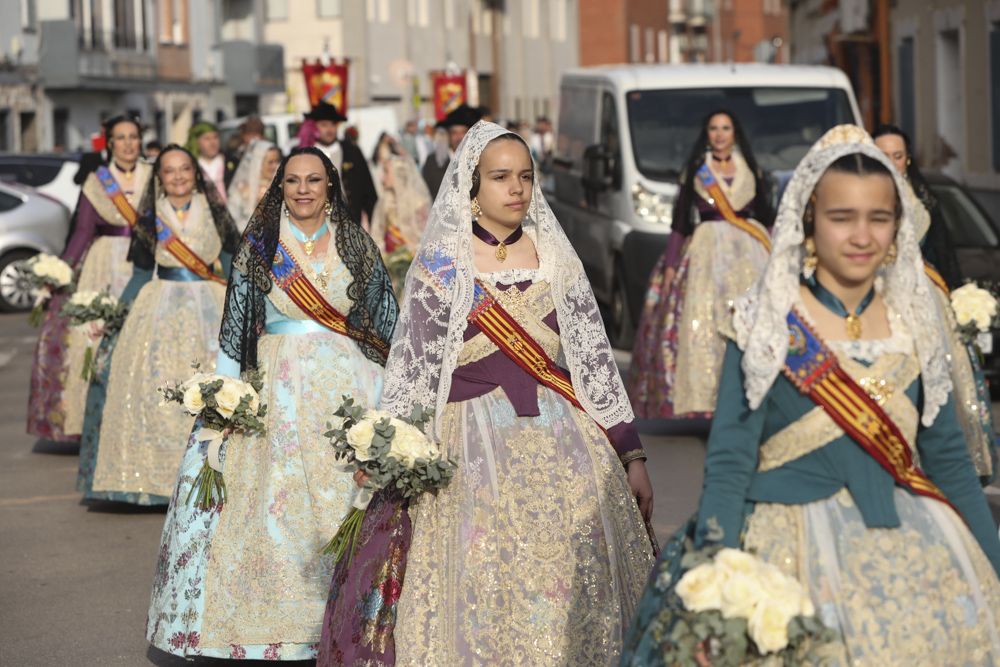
294	327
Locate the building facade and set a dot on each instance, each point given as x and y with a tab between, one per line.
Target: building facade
68	65
514	51
946	87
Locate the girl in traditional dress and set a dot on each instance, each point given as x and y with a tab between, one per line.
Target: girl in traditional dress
838	363
717	247
246	579
252	179
536	552
171	325
400	214
972	395
97	247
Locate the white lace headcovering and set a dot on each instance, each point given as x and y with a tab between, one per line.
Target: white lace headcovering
759	320
432	320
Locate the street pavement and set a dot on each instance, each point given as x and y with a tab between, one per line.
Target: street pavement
75	578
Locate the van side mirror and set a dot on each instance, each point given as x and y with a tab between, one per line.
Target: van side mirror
598	174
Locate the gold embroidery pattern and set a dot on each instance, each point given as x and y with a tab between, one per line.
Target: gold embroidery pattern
170	325
921	594
816	429
528	308
534	555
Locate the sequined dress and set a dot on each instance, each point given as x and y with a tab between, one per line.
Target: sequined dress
247	580
680	341
97	249
902	579
172	324
536	552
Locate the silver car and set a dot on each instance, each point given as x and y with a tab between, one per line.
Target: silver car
30	223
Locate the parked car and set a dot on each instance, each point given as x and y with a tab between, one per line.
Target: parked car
976	237
30	223
49	173
624	132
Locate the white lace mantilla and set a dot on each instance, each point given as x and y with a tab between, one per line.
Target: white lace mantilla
438	294
760	316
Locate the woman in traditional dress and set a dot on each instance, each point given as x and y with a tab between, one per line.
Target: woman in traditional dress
246	579
900	559
400	214
96	248
171	325
717	247
252	179
536	552
972	395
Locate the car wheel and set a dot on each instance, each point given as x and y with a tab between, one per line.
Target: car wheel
15	287
621	331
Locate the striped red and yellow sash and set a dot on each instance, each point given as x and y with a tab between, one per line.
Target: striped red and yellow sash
814	370
117	197
721	203
172	243
288	275
936	278
507	334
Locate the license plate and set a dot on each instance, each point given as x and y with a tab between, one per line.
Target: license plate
985	342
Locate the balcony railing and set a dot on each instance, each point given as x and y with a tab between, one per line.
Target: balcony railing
119	39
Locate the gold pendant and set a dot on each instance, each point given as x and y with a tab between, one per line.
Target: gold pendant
501	253
853	323
308	246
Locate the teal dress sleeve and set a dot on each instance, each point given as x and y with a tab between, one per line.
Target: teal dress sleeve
945	459
138	280
733	446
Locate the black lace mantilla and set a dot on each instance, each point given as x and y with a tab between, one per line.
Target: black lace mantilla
373	306
142	251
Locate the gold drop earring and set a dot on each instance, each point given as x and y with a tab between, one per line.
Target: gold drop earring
890	257
476	208
810	261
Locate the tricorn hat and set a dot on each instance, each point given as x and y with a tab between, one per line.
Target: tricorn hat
463	114
324	111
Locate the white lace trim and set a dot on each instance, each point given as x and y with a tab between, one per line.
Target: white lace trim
429	332
759	318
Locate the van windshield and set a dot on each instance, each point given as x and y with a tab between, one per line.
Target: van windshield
780	123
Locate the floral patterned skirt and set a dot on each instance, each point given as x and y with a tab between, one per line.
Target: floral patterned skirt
677	358
920	594
247	580
46	413
535	554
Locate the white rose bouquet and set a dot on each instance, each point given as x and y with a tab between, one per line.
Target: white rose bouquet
47	274
224	405
733	607
102	313
392	453
975	311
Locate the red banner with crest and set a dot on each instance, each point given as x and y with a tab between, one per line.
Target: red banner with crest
450	90
327	83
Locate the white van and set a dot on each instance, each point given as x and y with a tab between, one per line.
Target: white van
624	133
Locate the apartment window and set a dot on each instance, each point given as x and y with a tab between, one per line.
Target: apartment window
277	10
4	129
907	89
633	43
650	45
60	129
994	74
125	25
449	14
328	9
661	46
29	134
418	13
531	18
950	99
558	19
29	15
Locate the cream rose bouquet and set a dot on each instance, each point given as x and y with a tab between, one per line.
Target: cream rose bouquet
47	274
729	607
392	453
224	405
975	311
103	315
